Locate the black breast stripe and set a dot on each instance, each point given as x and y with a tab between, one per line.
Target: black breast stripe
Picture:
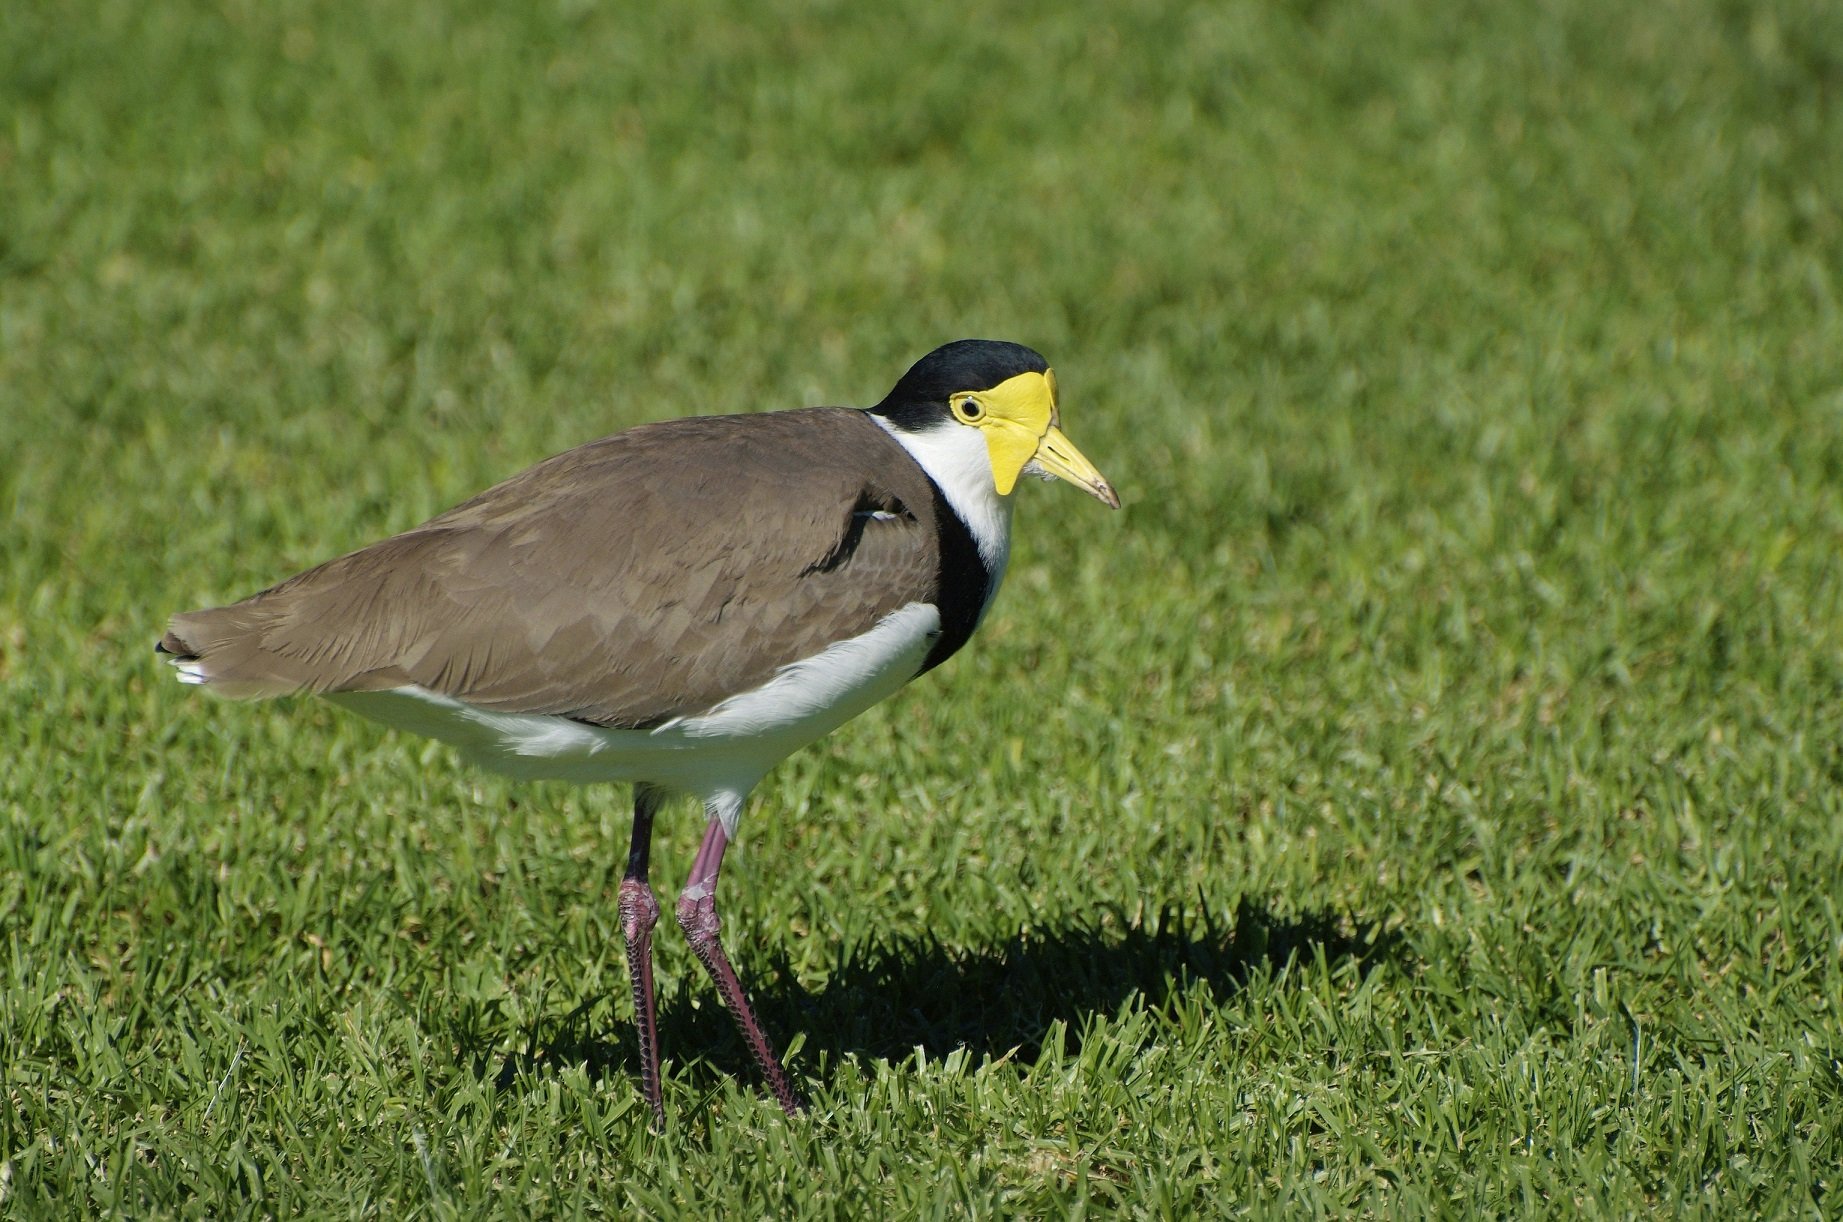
960	585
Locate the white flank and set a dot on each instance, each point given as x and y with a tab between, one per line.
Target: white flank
717	756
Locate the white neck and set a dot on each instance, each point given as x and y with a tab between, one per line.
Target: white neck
956	459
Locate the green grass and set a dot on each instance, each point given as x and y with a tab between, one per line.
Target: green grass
1426	796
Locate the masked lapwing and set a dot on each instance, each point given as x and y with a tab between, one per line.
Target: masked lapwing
680	606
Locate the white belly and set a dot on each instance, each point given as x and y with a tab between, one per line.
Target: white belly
720	753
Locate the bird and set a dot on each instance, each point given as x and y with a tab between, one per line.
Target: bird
680	606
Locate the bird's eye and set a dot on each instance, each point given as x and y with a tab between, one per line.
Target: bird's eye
969	409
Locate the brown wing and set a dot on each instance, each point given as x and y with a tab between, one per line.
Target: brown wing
631	580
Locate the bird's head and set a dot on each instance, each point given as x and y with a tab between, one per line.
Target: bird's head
1004	394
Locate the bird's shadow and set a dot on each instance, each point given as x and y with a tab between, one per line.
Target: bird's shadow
887	998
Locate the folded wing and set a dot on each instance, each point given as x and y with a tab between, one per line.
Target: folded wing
642	577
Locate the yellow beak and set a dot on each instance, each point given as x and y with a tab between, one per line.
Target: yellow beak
1058	455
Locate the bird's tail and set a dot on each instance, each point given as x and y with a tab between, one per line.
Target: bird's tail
221	649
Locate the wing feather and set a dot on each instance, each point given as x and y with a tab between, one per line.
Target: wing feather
642	577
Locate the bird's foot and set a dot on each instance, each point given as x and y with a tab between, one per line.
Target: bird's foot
697	915
639	912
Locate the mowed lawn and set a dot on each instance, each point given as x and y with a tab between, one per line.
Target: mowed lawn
1424	797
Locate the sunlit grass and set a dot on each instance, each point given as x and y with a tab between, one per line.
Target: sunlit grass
1422	797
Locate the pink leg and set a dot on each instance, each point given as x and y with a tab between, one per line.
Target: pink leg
697	913
639	913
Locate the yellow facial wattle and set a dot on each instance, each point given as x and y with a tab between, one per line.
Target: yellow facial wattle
1018	418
